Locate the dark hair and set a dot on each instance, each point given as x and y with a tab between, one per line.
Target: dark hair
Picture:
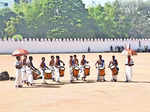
70	56
57	57
52	56
100	55
25	56
17	57
30	57
43	58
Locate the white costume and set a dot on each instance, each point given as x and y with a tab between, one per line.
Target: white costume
52	68
57	74
71	73
42	74
29	74
18	80
128	71
24	75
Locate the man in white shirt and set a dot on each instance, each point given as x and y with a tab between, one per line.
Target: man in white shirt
128	71
18	66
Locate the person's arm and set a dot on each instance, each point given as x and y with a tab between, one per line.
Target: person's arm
62	62
45	66
77	62
32	66
109	64
116	62
18	65
96	64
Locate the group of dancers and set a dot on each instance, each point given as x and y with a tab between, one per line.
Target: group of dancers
26	72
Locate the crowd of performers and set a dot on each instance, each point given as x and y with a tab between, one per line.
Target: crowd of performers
26	72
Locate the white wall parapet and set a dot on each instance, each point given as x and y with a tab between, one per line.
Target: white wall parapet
69	45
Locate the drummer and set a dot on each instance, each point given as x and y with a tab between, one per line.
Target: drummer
83	63
75	61
71	69
29	70
18	66
57	67
114	63
100	63
52	67
43	67
23	70
128	71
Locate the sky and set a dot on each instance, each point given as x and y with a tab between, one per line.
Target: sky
93	2
86	2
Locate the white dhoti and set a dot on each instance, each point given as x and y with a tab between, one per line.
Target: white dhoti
128	73
24	75
82	72
71	73
52	68
30	76
57	74
42	74
18	80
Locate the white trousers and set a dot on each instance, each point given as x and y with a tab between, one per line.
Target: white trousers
42	74
57	74
71	73
24	75
52	68
18	80
30	76
128	73
82	71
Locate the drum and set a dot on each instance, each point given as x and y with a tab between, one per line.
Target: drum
48	74
36	74
61	71
114	70
86	70
76	71
101	71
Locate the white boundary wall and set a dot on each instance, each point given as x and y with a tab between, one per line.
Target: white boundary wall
69	45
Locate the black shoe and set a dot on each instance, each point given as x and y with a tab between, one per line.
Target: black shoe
28	83
19	86
53	79
115	80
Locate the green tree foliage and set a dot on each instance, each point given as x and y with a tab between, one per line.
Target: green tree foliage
54	18
5	15
70	19
123	19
